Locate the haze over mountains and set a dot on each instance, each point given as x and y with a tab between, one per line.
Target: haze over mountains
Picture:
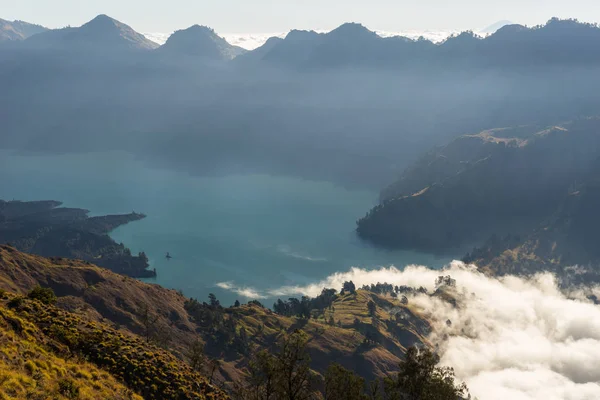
346	106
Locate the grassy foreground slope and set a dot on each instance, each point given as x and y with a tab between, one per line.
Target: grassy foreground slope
344	332
30	368
44	348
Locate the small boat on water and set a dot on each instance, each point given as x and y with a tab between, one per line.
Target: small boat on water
168	256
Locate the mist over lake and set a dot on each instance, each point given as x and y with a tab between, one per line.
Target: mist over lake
249	233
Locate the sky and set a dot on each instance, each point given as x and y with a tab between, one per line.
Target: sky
254	16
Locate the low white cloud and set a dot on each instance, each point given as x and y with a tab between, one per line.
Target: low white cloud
509	338
246	292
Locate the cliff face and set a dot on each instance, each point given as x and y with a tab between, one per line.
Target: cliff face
503	181
44	228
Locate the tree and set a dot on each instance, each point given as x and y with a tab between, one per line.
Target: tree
213	301
214	365
348	287
283	376
148	322
404	300
196	356
45	295
372	308
237	303
342	384
445	281
419	378
293	369
262	377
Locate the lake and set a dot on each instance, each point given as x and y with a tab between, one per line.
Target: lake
239	237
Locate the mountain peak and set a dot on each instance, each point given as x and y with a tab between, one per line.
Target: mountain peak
102	21
297	34
495	26
200	41
509	30
352	29
101	33
101	18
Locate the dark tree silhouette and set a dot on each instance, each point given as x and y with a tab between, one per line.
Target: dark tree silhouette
343	384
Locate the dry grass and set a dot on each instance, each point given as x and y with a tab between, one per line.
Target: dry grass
29	369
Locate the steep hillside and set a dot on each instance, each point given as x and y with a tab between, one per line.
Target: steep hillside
504	181
56	334
45	228
45	371
342	330
565	243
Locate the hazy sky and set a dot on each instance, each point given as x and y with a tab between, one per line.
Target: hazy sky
253	16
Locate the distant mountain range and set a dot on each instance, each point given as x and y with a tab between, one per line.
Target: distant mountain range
351	45
18	30
557	42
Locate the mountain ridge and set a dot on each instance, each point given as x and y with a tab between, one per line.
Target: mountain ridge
18	30
529	189
200	41
101	33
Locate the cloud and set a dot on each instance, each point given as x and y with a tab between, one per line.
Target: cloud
246	292
510	338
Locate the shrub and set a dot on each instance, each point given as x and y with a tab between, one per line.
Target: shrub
30	367
16	302
68	388
45	295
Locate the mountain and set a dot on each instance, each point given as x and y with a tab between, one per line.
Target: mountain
44	228
352	45
18	30
294	49
502	181
100	34
200	41
256	55
565	243
494	27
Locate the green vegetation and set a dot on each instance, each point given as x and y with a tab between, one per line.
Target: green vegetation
419	378
33	366
343	384
45	295
287	375
147	370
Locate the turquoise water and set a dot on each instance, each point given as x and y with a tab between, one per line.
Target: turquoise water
256	232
